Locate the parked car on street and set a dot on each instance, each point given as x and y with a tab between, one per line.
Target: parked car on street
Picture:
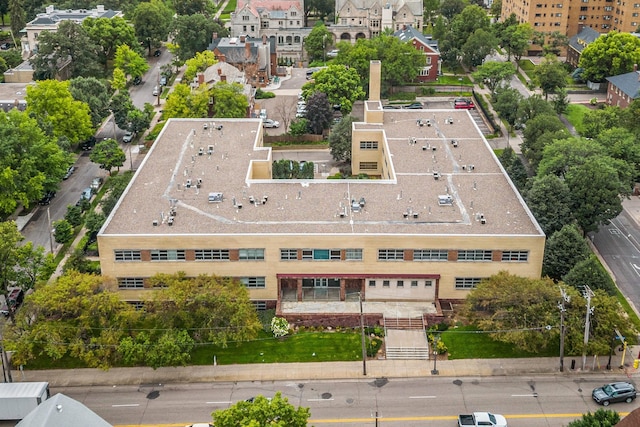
46	199
13	301
268	123
128	137
88	144
157	52
156	91
137	80
463	104
163	80
414	106
614	392
70	172
96	183
85	195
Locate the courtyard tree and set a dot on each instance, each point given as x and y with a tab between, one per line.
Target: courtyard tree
229	100
550	75
108	34
465	24
108	155
276	411
192	34
94	93
340	140
341	84
183	102
494	73
51	103
590	272
552	213
517	40
198	64
505	102
477	47
130	61
317	42
319	112
610	54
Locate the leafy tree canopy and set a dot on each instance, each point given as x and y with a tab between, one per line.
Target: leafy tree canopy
590	272
130	61
340	139
152	23
471	19
563	250
609	55
276	412
494	73
94	93
600	418
319	112
551	75
318	41
229	100
552	213
198	64
182	102
108	155
192	34
108	34
341	84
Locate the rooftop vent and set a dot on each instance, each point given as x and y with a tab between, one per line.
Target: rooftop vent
454	142
215	197
436	175
445	200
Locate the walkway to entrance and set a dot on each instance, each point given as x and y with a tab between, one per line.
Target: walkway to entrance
388	309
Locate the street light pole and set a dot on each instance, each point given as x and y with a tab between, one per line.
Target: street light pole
588	293
364	348
564	299
435	371
50	230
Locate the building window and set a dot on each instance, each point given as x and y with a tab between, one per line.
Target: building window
385	283
250	254
467	282
372	283
127	255
293	13
430	254
400	283
428	283
288	254
260	305
390	254
321	254
253	282
245	18
264	24
212	254
353	254
130	282
167	255
253	28
368	165
414	283
474	255
517	256
368	145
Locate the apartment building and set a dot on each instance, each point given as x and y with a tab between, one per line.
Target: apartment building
437	215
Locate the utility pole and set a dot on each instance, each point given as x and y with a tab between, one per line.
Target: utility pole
565	299
50	231
588	294
435	371
364	348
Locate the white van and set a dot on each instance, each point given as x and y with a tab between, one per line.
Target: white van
263	114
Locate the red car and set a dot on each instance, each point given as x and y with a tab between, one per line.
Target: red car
463	104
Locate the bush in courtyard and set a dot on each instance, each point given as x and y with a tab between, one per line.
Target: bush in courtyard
279	327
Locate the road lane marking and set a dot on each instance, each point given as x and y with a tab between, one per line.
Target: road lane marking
126	405
422	397
222	402
525	395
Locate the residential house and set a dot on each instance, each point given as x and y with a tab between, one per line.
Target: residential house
429	48
368	18
624	88
50	20
224	72
281	21
254	57
577	44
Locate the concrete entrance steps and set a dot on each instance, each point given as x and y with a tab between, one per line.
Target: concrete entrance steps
405	338
404	323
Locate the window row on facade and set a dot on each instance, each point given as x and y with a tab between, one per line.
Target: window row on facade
401	283
296	254
257	282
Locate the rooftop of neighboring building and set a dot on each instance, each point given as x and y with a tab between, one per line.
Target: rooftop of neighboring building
222	157
409	33
629	83
583	38
53	16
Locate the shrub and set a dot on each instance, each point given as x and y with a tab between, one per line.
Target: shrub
279	327
260	94
373	346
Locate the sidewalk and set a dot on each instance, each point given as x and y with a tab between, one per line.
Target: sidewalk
327	371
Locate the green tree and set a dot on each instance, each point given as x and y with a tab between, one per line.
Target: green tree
401	62
94	221
17	15
551	75
139	120
12	57
69	45
561	155
108	34
121	105
108	155
10	238
152	22
340	139
192	34
620	143
590	272
118	79
341	84
129	61
451	8
516	40
514	167
561	100
563	250
182	102
75	316
215	309
319	112
262	412
191	7
299	126
494	73
73	215
31	162
157	348
552	213
465	24
531	107
600	418
505	102
477	47
229	100
321	9
318	41
198	64
51	103
431	10
63	231
594	122
533	145
610	54
94	93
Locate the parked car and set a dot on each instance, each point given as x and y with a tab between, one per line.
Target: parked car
333	53
46	199
6	46
200	425
157	52
156	91
85	195
70	172
414	106
614	392
310	73
463	104
96	183
13	301
88	144
268	123
163	80
390	107
128	137
137	80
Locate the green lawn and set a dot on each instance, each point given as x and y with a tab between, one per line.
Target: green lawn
468	343
574	114
327	347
